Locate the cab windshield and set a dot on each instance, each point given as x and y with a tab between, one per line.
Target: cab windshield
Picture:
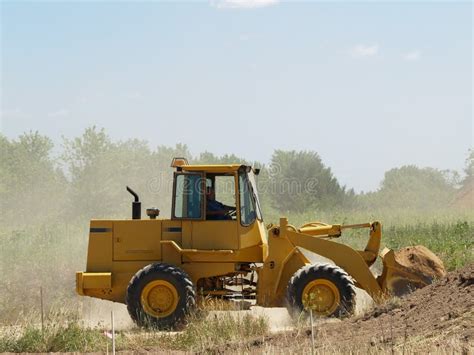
249	202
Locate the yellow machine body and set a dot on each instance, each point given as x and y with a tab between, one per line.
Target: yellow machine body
212	252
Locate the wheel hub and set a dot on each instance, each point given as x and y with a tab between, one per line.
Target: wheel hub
159	298
321	296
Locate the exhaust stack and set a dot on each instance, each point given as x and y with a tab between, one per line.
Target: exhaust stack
136	205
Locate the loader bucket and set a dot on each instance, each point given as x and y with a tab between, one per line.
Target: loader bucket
409	269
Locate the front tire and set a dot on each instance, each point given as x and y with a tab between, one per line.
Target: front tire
160	296
325	289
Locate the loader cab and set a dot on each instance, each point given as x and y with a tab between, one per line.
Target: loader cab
217	206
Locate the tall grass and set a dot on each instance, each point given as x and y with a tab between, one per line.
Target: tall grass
65	332
453	242
202	334
45	256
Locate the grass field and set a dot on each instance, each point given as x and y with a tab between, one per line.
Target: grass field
64	331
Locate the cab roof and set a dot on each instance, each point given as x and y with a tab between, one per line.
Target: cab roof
221	168
182	164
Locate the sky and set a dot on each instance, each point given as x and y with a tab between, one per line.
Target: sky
370	86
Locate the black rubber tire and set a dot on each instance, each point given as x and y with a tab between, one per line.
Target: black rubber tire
174	275
329	272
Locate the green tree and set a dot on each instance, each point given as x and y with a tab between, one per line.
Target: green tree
31	185
299	181
411	187
210	158
100	169
89	173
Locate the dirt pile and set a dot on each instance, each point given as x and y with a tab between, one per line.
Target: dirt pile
465	197
439	313
437	318
437	310
421	261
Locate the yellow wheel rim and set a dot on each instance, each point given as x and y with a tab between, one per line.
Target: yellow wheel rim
159	298
322	296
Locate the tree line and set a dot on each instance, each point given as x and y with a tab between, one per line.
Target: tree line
86	178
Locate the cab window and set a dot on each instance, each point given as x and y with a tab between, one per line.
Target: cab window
188	196
220	197
247	203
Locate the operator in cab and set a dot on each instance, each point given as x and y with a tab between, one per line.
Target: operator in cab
216	210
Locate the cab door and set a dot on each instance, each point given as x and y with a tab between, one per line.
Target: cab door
190	203
218	232
187	204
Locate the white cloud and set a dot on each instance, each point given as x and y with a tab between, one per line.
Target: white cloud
242	4
362	50
62	112
412	56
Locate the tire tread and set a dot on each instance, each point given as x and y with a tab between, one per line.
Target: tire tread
155	271
322	270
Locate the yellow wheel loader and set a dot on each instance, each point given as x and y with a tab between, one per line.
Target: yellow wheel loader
215	245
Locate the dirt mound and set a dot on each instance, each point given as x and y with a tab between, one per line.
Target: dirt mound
465	197
436	314
448	298
437	318
421	261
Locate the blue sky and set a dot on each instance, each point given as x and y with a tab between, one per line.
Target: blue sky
369	86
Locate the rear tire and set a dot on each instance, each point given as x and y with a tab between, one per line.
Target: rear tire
160	296
324	288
